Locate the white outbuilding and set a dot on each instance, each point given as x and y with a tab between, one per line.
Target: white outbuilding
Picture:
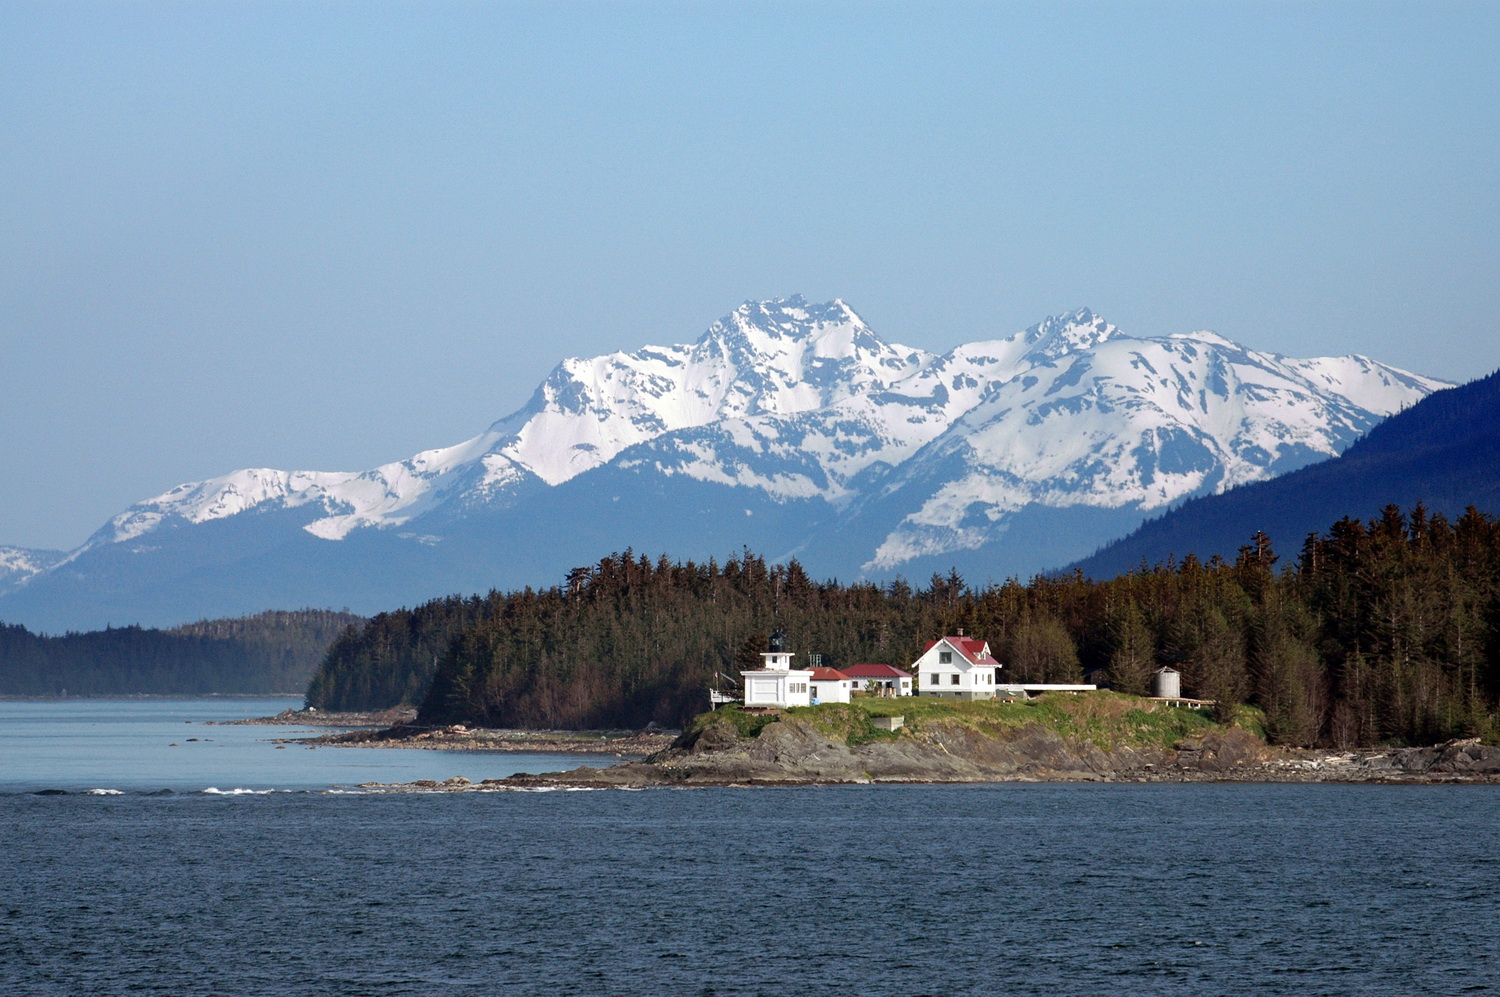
777	684
880	680
829	685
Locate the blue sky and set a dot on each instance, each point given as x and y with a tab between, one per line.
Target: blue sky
329	235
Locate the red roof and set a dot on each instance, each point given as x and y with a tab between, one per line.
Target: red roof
828	675
975	652
875	672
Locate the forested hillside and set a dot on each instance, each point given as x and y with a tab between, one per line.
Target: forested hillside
266	653
390	661
1380	631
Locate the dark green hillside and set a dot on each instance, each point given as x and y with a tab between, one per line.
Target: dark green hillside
266	653
1443	452
389	661
1387	631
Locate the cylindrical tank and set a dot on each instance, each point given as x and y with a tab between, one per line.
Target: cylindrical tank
1166	683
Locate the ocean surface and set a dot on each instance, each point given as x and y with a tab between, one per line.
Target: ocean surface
995	889
153	744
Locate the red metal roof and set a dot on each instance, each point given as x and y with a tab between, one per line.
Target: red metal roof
828	675
875	672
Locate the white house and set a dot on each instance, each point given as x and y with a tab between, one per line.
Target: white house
829	685
957	668
777	684
882	680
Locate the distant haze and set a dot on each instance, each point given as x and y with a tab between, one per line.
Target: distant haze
326	236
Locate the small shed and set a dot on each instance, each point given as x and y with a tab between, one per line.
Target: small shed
829	685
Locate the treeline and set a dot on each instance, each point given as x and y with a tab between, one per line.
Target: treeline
391	659
1386	631
272	652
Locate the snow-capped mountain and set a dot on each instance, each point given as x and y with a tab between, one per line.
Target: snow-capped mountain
787	425
17	564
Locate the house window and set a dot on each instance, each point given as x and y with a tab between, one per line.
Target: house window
955	678
945	657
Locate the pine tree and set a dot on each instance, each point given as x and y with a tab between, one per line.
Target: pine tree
1132	658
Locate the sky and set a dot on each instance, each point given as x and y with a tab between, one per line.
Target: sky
330	235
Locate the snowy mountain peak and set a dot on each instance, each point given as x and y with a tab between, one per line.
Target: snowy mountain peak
790	328
1207	336
777	358
1062	334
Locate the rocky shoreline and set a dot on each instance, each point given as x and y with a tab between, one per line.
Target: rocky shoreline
793	752
318	718
619	743
395	729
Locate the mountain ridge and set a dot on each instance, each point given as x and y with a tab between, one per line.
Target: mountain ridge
1442	452
871	458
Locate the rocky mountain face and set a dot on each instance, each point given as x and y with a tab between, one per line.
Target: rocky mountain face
788	426
1444	452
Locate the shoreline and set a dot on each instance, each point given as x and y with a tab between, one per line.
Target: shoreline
1030	755
619	743
514	784
316	718
394	729
804	750
586	778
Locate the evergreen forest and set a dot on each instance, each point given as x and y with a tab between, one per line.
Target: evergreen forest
1386	631
274	652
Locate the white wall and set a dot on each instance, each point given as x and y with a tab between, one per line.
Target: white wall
764	690
836	691
777	688
936	677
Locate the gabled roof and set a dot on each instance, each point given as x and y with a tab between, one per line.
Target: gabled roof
972	650
828	675
875	672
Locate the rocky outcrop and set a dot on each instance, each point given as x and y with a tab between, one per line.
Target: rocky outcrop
794	751
1463	757
457	737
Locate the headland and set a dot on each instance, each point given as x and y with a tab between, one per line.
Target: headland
1097	737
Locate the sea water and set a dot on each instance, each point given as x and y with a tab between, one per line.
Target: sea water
153	744
873	890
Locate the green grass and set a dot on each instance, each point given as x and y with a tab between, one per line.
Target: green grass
847	723
1251	718
746	725
1108	719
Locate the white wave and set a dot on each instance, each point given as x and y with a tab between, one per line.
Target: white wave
103	792
216	791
